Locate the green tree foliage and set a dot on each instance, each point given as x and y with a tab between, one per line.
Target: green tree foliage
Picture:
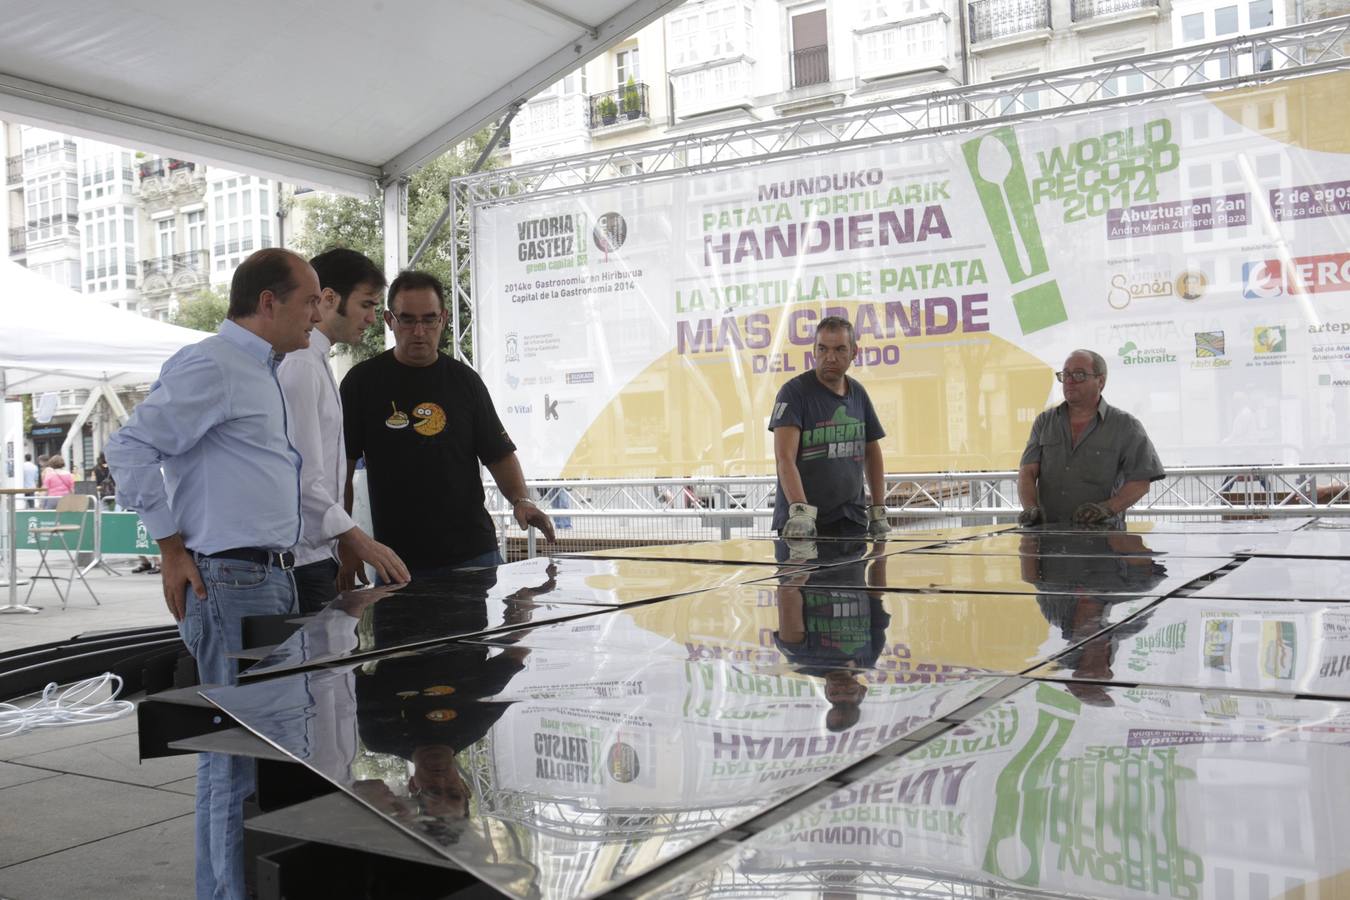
356	223
205	310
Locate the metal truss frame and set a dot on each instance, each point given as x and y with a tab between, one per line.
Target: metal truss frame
1272	491
1296	51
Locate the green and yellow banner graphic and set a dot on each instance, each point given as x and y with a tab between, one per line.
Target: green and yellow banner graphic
1201	245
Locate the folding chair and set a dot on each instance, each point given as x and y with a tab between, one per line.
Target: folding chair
47	534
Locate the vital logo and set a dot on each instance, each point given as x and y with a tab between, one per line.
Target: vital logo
610	232
520	409
839	437
1269	339
1262	280
1208	344
512	347
550	409
995	163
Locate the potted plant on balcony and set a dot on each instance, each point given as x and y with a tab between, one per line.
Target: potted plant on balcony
608	109
632	99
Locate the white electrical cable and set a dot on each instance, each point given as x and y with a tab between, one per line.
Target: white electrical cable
71	706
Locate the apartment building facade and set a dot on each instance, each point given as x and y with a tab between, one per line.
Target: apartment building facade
716	63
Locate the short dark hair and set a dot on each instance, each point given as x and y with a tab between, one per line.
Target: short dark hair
28	457
267	270
345	270
412	280
830	323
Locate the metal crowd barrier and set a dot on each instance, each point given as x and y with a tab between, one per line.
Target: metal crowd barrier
603	513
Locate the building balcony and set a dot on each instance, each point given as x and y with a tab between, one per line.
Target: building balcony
179	273
713	87
1084	11
628	104
158	168
902	48
810	65
1005	21
18	241
14	169
551	124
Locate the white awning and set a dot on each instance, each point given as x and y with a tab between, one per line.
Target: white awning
56	339
342	95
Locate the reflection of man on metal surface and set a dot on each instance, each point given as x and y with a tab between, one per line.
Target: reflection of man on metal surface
1077	598
826	438
833	633
402	709
1086	462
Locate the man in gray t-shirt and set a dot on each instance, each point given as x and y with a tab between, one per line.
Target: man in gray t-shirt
1086	462
826	439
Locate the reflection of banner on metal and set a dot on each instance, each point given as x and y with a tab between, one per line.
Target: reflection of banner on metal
1197	243
123	532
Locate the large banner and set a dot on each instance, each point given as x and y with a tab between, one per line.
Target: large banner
1200	245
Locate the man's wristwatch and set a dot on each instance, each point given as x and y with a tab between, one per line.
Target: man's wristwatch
520	500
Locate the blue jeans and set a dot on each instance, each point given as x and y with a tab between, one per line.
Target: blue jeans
212	628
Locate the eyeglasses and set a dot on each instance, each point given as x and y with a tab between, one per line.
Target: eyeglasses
411	322
1077	376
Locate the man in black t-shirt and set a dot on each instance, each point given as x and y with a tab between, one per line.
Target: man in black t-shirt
424	422
826	437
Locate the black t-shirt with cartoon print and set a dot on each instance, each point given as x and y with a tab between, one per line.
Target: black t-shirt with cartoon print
423	432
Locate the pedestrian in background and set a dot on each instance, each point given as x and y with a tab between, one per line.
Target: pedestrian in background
57	481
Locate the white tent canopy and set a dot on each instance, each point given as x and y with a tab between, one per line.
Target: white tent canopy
53	339
346	95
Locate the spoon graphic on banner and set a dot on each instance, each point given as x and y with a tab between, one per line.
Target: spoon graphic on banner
996	164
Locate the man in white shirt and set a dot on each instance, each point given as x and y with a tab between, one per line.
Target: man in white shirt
30	478
352	287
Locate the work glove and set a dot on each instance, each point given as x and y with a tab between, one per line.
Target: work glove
878	529
801	522
1092	514
1030	516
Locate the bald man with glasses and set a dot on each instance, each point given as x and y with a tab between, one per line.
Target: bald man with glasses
1086	462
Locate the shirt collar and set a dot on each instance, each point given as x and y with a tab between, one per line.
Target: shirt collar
1103	408
319	342
249	342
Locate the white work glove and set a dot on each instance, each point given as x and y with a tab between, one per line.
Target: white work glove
878	528
801	522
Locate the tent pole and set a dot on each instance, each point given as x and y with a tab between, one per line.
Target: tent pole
395	205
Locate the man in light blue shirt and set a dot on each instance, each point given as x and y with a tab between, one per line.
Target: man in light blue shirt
207	463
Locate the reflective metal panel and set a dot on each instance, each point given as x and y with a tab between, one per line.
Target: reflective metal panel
1114	793
379	620
819	551
1195	526
1268	578
597	582
1121	543
1291	648
1330	543
1039	574
563	773
805	626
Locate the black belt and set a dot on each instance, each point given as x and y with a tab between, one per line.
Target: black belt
282	559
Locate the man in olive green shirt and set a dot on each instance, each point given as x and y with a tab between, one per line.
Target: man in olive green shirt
1086	462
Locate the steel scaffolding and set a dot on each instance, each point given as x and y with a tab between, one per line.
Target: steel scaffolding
1262	58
